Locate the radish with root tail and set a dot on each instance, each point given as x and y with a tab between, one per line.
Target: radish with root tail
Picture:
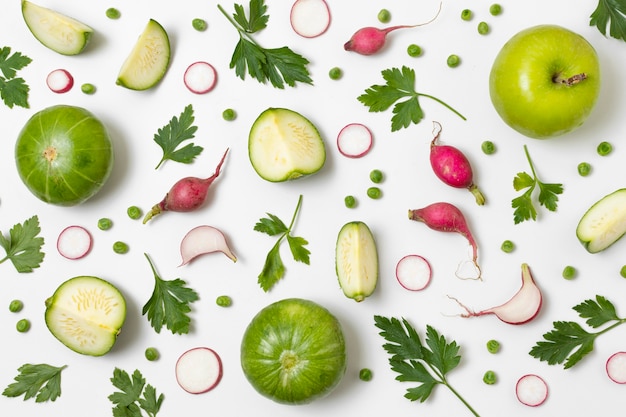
202	240
531	390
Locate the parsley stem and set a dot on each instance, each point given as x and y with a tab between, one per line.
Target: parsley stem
445	382
443	103
242	31
295	213
530	162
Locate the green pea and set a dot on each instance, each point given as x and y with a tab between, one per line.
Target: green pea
350	201
414	50
489	378
384	16
466	14
88	88
133	212
376	176
453	61
199	24
23	325
495	9
335	73
488	147
622	271
229	115
105	223
151	354
584	169
374	193
113	13
16	306
569	272
224	301
120	247
365	374
604	148
493	346
507	246
483	28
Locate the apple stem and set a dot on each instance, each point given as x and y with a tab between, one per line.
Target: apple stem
573	80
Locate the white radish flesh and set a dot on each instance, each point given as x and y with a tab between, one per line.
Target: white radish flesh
198	370
310	18
74	242
616	367
60	81
531	390
200	77
203	240
413	272
354	140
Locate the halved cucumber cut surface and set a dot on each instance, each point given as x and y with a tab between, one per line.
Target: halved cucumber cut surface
604	223
284	145
86	314
356	260
56	31
149	59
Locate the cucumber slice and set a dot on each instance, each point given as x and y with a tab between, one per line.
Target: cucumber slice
356	261
86	314
284	145
56	31
147	63
604	223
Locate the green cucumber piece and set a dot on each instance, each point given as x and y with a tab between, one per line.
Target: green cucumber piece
86	314
604	223
284	145
149	59
356	260
56	31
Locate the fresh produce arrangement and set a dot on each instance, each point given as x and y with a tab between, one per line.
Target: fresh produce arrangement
285	142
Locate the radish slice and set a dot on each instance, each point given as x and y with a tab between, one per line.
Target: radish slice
310	18
531	390
200	77
202	240
413	272
198	370
60	81
354	140
74	242
616	367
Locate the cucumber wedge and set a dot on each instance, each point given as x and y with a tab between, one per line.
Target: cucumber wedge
86	314
604	223
284	145
56	31
356	261
149	59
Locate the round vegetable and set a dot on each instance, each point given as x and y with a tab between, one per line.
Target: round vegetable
335	73
200	77
74	242
413	272
198	370
531	390
616	367
60	81
120	247
16	306
22	325
493	346
134	212
151	354
365	374
354	140
453	61
310	18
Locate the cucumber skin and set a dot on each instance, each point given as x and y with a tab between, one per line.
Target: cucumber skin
586	242
360	294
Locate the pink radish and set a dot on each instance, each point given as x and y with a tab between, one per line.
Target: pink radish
452	167
198	370
354	140
310	18
200	77
187	194
413	272
616	367
60	81
74	242
202	240
521	308
531	390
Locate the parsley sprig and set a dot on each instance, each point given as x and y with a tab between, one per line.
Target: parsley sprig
178	130
569	342
23	246
427	364
13	89
523	204
274	269
41	381
134	395
611	14
400	83
279	66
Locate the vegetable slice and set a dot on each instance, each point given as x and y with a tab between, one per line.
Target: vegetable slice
413	272
616	367
604	223
356	261
198	370
531	390
310	18
60	81
200	77
202	240
74	242
354	140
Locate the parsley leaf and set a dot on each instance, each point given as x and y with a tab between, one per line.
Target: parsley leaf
523	204
41	381
611	14
170	136
134	395
258	17
400	83
23	246
169	304
13	91
274	269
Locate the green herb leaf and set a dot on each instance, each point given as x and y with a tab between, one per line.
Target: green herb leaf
13	91
170	136
134	395
273	269
611	14
258	16
41	381
298	251
23	246
271	225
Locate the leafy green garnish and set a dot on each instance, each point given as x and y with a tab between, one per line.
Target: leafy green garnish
169	304
611	14
274	269
568	342
278	65
134	395
23	246
13	89
523	204
400	83
41	381
170	136
427	364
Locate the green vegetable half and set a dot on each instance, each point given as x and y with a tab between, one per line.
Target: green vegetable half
604	223
356	260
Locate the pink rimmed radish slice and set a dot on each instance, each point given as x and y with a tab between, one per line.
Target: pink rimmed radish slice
531	390
354	140
200	77
202	240
310	18
413	272
60	81
198	370
616	367
74	242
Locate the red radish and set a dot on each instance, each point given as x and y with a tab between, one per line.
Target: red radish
616	367
202	240
413	272
354	140
198	370
60	81
74	242
531	390
521	308
200	77
310	18
452	167
187	194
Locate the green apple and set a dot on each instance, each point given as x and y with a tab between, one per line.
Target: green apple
545	81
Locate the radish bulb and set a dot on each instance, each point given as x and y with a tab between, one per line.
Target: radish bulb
531	390
202	240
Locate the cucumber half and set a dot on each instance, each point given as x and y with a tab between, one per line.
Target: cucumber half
284	145
86	314
54	30
604	223
356	261
149	59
